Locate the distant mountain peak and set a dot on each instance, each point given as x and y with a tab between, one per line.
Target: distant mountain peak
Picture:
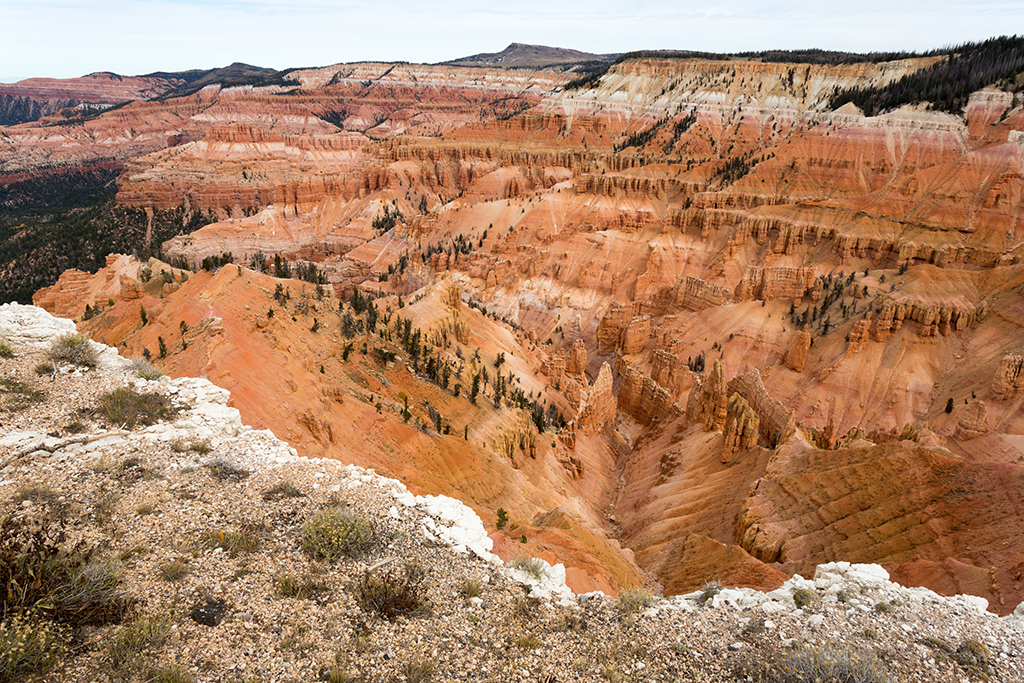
523	55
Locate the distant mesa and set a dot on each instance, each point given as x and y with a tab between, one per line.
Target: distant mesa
521	56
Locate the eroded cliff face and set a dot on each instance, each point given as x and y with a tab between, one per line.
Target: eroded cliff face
710	279
35	98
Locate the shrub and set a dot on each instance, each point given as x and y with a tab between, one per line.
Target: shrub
6	350
44	368
831	665
40	570
127	407
170	673
634	600
134	638
175	570
146	370
804	597
528	641
531	565
36	492
418	670
29	645
334	533
75	348
471	588
973	657
18	395
282	490
710	590
196	446
302	587
226	470
247	538
390	594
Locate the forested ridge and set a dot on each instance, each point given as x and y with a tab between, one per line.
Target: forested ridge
68	218
949	83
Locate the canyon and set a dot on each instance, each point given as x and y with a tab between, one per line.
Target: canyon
684	323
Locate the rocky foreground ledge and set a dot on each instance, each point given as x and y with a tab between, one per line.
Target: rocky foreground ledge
213	552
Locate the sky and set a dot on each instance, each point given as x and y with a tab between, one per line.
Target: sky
68	38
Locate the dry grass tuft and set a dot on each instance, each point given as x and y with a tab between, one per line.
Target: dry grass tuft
73	348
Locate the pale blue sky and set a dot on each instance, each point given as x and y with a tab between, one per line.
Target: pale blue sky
64	38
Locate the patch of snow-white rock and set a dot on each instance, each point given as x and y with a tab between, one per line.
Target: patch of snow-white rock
31	326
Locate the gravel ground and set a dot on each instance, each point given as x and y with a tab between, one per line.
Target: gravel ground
150	501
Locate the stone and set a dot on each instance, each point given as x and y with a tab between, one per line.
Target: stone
597	412
973	421
741	427
797	354
576	363
707	402
644	399
1009	378
636	335
775	422
210	612
859	335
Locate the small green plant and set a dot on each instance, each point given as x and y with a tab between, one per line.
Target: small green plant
418	670
44	368
334	533
804	597
29	645
710	590
471	587
302	587
531	565
75	348
502	519
37	492
247	539
145	509
391	594
973	658
133	639
528	641
632	601
870	633
201	447
6	350
226	470
170	673
15	395
831	664
126	407
937	643
40	569
282	490
133	552
175	570
146	370
883	607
